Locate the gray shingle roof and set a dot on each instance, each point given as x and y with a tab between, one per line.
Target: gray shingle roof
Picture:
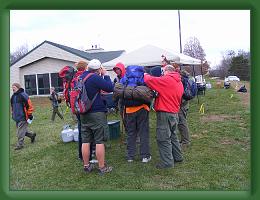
103	56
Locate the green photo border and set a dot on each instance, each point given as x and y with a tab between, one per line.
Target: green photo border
7	5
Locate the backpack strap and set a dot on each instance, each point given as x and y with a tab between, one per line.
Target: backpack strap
84	80
90	74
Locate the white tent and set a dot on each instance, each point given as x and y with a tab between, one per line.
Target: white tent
145	56
184	59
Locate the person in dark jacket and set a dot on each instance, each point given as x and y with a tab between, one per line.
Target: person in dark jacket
94	122
22	110
55	104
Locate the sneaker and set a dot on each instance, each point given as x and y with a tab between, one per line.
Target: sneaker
89	168
146	160
33	138
18	147
105	169
130	160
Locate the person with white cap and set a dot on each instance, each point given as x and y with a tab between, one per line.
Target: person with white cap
94	121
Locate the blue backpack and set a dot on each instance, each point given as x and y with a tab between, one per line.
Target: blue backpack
190	88
134	76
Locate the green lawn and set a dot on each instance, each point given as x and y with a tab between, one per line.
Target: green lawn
218	159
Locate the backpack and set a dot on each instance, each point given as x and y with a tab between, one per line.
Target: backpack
79	101
190	87
67	74
134	76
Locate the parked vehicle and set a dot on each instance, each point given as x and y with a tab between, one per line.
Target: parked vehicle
233	78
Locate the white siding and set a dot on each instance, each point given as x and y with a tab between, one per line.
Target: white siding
46	65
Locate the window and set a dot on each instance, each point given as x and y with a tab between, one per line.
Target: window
56	82
30	84
43	83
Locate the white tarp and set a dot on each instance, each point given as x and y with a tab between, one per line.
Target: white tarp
145	56
184	59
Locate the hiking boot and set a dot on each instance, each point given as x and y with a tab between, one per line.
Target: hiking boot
162	166
89	168
33	138
184	146
18	147
146	160
105	169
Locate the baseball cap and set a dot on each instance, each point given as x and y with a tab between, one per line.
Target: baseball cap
94	64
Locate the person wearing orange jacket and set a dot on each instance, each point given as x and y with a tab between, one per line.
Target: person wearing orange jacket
22	110
167	105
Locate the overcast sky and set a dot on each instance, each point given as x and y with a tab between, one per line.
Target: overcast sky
217	30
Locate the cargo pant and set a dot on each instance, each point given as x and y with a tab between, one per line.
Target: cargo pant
183	124
167	140
137	124
54	112
22	131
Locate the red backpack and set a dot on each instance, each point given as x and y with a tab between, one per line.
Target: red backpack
79	101
67	74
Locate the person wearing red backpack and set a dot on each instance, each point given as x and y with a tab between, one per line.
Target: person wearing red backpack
70	77
94	121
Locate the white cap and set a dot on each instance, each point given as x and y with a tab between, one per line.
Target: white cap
94	64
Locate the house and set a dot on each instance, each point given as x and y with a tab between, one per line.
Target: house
38	70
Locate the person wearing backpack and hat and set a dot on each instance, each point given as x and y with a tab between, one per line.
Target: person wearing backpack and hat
22	110
94	121
167	106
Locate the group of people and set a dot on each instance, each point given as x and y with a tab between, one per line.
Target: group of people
171	112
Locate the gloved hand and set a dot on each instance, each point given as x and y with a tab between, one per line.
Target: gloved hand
30	117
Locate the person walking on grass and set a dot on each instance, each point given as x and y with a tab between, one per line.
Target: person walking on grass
167	106
22	110
94	121
55	104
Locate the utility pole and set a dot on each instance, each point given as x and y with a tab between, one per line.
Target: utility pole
180	30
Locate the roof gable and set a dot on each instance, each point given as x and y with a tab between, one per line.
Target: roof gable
103	56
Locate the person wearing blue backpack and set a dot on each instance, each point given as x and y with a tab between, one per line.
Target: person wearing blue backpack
94	121
136	116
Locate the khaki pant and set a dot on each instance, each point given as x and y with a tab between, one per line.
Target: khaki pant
167	140
54	112
22	131
183	124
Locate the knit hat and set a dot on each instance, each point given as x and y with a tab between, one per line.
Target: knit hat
94	64
17	85
81	65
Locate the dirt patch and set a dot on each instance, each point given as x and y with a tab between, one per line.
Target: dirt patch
245	97
218	118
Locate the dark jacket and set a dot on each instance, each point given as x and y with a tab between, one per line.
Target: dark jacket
94	84
21	106
54	99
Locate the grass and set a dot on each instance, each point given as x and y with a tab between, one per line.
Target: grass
218	159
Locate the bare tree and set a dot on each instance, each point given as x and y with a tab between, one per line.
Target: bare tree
18	53
194	49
